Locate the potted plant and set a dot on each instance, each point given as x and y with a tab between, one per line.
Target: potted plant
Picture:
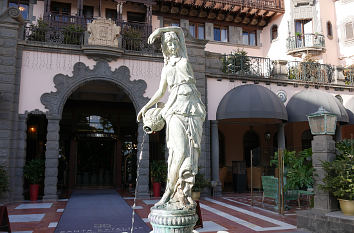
339	178
158	172
199	184
4	181
236	62
33	172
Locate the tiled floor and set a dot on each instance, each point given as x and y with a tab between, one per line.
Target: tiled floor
35	217
230	213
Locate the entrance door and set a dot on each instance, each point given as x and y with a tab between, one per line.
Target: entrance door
95	162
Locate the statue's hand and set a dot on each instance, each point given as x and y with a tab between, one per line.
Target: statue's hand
154	35
141	114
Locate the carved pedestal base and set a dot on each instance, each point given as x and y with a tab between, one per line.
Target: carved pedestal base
172	221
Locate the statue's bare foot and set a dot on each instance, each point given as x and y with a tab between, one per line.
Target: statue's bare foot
163	200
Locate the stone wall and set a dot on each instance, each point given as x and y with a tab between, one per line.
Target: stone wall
197	58
10	69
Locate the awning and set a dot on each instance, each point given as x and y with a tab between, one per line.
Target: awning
251	101
308	101
350	110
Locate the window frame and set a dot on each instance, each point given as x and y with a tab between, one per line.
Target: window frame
171	22
221	28
274	26
329	29
196	29
60	5
20	3
346	31
249	32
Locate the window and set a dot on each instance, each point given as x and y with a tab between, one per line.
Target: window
220	34
135	17
170	22
196	30
111	14
22	5
88	12
329	29
349	30
249	38
274	32
303	26
60	8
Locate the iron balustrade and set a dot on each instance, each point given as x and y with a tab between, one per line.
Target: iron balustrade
249	66
46	34
304	41
348	76
310	72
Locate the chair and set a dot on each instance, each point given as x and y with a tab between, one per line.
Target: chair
270	190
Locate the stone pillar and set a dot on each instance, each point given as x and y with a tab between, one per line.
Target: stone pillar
149	19
10	75
196	55
119	11
281	137
143	176
215	157
323	149
51	158
80	6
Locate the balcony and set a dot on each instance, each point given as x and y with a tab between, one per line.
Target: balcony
312	44
72	31
241	65
311	72
246	12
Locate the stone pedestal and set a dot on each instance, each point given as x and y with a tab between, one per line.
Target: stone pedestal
172	221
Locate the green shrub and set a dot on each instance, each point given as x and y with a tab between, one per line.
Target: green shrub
200	183
158	170
4	180
236	62
340	172
33	171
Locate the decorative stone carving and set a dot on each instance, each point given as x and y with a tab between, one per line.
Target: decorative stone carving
66	85
103	32
177	221
282	96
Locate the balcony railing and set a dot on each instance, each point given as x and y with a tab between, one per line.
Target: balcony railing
243	65
310	72
305	42
132	38
348	76
46	34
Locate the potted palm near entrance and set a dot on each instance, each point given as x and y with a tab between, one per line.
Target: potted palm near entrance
158	172
33	172
199	184
339	179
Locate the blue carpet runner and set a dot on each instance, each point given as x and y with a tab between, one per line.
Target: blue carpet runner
96	211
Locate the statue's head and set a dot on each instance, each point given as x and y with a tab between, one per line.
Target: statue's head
170	44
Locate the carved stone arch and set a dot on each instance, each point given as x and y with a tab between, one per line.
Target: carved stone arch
66	85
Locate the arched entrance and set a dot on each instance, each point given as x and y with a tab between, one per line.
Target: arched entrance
97	125
56	101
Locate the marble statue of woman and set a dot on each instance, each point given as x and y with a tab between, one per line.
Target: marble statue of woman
184	114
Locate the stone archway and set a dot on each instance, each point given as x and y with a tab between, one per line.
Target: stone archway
55	101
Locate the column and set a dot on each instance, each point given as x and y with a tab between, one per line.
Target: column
51	158
142	189
149	19
119	11
281	137
215	157
323	149
79	7
46	7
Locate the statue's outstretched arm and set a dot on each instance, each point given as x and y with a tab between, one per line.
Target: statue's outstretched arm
155	98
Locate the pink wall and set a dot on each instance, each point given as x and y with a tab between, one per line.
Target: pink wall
39	69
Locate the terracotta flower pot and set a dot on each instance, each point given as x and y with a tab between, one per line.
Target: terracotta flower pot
156	188
34	189
196	196
347	206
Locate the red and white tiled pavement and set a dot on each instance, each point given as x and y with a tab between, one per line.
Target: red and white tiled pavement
230	213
